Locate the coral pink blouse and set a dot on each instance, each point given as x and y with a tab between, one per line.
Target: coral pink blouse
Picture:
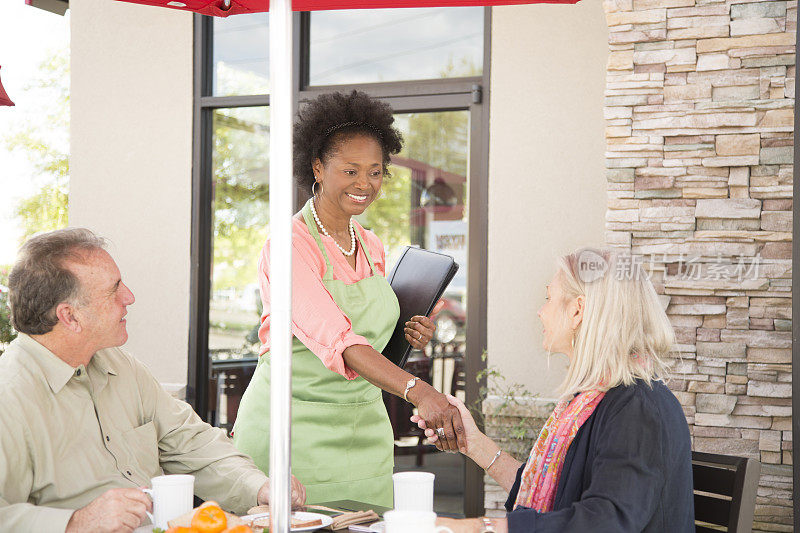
316	319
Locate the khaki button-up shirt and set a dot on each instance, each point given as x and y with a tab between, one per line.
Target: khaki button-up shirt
67	435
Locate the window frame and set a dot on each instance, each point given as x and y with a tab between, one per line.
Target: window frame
450	94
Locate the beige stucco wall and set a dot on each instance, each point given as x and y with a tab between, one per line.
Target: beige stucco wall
131	146
547	182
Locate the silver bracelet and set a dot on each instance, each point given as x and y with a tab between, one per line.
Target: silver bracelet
493	460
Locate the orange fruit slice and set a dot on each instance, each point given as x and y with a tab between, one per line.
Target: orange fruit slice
209	518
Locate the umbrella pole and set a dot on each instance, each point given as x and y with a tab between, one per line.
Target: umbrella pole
281	205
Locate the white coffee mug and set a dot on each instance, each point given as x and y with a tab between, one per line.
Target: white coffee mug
413	522
172	496
413	491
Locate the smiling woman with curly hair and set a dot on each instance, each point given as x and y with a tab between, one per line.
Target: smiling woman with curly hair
343	313
334	118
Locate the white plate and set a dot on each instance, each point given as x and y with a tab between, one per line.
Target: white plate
378	527
298	515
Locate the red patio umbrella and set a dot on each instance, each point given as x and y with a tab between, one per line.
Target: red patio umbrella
280	206
4	99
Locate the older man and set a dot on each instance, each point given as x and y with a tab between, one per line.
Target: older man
83	425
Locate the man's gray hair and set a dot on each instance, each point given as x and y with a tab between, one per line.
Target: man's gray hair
40	279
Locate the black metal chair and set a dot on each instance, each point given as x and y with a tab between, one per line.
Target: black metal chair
229	378
724	492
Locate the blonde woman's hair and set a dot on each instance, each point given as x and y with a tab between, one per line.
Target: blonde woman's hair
624	334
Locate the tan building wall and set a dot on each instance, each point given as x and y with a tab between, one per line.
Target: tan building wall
131	132
547	195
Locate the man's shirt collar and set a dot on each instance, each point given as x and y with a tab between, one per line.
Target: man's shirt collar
57	372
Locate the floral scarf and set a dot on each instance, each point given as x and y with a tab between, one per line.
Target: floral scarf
539	481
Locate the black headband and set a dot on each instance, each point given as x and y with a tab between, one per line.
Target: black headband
367	125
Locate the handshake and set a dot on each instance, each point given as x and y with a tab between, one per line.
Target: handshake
442	419
451	428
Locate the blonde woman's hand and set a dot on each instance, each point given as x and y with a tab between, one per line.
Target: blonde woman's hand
471	525
463	525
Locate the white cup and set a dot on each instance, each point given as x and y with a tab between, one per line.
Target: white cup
413	491
172	496
413	522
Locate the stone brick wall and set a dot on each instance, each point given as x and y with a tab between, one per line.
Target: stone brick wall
700	116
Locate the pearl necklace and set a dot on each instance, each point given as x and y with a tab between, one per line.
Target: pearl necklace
325	232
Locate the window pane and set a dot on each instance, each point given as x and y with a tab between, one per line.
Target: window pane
423	204
363	46
241	55
240	228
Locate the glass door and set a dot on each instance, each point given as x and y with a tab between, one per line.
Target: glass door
423	204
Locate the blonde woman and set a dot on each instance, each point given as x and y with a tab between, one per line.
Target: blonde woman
615	454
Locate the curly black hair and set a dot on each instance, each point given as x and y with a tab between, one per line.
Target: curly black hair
330	119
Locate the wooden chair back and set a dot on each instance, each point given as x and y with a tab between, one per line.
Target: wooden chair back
724	492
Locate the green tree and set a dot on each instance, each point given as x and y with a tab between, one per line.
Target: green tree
440	140
7	333
45	141
241	194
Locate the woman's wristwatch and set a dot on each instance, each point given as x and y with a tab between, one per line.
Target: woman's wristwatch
487	526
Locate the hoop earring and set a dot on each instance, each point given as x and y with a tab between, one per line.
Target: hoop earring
313	191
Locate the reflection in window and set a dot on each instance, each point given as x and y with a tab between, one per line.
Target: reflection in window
241	55
428	183
365	46
435	153
241	208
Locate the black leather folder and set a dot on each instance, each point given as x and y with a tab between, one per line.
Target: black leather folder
418	279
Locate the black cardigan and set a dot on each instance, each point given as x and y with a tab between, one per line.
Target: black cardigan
628	469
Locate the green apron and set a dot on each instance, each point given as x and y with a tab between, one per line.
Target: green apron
342	440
